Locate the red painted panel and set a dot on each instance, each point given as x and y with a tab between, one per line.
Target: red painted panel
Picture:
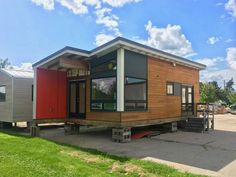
51	94
62	85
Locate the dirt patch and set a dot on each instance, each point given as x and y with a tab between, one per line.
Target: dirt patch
86	157
128	168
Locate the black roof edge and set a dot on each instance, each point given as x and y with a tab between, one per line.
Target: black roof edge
113	41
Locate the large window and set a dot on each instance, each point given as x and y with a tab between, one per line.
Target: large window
135	81
135	94
103	83
2	93
104	94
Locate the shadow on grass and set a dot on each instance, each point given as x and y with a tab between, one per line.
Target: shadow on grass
86	150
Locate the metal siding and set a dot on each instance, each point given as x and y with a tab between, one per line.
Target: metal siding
22	99
6	107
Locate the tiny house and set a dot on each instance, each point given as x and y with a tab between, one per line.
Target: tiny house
119	84
16	96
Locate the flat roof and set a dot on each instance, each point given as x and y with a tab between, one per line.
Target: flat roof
127	44
18	73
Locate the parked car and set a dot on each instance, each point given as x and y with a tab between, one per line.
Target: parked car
233	109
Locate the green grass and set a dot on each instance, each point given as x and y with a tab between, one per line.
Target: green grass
27	157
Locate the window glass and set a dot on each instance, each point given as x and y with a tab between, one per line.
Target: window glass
170	88
183	95
105	67
110	106
104	89
189	89
2	93
104	94
190	98
96	106
135	94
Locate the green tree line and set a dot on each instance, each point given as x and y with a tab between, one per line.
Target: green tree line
210	92
4	63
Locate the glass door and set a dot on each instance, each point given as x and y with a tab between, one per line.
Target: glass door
77	99
187	105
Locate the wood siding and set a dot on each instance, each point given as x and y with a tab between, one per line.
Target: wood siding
6	107
160	105
22	104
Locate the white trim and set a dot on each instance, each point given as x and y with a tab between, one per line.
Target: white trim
35	93
120	79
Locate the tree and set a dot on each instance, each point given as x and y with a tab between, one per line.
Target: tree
218	91
232	98
207	93
4	63
229	85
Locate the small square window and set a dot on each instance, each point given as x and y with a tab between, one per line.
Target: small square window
170	88
2	93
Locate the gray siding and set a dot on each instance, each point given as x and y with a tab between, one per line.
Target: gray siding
22	104
6	107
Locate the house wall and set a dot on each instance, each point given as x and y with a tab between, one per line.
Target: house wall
160	105
6	107
22	103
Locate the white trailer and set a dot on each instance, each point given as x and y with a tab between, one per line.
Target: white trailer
16	96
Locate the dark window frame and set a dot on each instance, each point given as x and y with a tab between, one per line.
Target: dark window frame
136	101
187	109
102	101
173	90
112	56
4	98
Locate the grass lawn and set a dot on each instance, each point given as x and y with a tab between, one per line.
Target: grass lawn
27	157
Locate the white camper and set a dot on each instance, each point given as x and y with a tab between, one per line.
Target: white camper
16	96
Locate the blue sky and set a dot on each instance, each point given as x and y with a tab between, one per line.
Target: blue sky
203	31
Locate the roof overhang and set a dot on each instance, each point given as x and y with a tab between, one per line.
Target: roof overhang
118	43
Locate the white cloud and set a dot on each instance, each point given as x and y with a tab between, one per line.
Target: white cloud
103	38
169	39
47	4
210	62
119	3
96	3
218	75
23	66
109	20
229	40
214	73
230	6
231	57
212	40
76	6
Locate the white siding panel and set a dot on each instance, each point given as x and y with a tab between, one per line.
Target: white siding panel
6	107
22	102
